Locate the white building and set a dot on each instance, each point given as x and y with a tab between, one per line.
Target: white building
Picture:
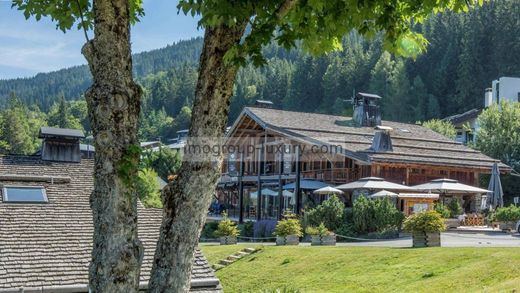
504	88
466	124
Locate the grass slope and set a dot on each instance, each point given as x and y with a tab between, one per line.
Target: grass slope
370	269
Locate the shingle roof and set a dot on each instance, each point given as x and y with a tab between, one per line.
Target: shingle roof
412	143
65	132
464	117
49	245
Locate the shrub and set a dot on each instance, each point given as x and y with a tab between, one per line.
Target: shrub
455	208
426	222
209	230
247	229
264	228
226	227
508	214
375	215
290	225
320	230
330	212
443	210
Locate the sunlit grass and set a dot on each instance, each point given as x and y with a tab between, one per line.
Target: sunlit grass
370	269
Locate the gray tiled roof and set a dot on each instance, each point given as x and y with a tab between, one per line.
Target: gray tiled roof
49	245
412	143
66	132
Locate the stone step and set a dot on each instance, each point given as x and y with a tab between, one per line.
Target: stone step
234	257
225	262
249	250
217	267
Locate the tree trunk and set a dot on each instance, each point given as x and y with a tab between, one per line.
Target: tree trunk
187	198
114	103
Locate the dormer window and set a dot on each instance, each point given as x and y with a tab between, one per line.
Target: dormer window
24	194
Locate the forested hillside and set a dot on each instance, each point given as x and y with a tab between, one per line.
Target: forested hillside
466	52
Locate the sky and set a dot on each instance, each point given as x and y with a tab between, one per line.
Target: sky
28	47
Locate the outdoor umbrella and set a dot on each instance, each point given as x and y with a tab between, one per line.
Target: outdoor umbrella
383	193
495	196
448	186
375	183
306	184
328	190
270	192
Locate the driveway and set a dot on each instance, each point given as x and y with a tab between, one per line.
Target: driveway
451	239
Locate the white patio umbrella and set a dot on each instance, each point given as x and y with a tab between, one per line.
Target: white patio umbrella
448	186
383	193
328	190
495	196
270	192
373	183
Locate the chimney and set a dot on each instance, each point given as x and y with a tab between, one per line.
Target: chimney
488	97
382	140
61	144
264	104
366	110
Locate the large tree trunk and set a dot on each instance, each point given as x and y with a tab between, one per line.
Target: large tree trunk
187	198
113	101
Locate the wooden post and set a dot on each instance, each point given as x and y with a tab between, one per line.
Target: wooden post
241	190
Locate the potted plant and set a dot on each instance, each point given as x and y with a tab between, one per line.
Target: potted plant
288	231
227	231
321	235
426	228
507	217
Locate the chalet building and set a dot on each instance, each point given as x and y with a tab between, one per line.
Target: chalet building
46	221
269	149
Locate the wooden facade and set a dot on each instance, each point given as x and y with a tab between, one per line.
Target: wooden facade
259	161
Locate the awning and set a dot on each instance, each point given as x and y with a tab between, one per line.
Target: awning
418	195
306	184
448	186
373	183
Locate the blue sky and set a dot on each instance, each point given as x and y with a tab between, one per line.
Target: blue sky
28	47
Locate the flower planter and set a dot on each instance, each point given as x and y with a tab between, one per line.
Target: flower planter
452	223
323	240
228	240
288	240
421	239
507	226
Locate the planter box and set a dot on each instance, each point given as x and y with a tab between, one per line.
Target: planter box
421	239
228	240
323	240
287	240
452	223
507	226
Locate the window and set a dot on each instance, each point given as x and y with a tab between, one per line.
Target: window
24	194
420	207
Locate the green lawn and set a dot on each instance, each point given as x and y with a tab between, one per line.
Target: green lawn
370	269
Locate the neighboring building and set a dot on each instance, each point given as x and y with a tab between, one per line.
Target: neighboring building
46	223
334	150
502	89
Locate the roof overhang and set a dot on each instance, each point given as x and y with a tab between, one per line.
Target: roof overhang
291	135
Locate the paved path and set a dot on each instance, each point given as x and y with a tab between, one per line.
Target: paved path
448	239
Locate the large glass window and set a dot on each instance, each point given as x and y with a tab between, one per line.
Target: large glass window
24	194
